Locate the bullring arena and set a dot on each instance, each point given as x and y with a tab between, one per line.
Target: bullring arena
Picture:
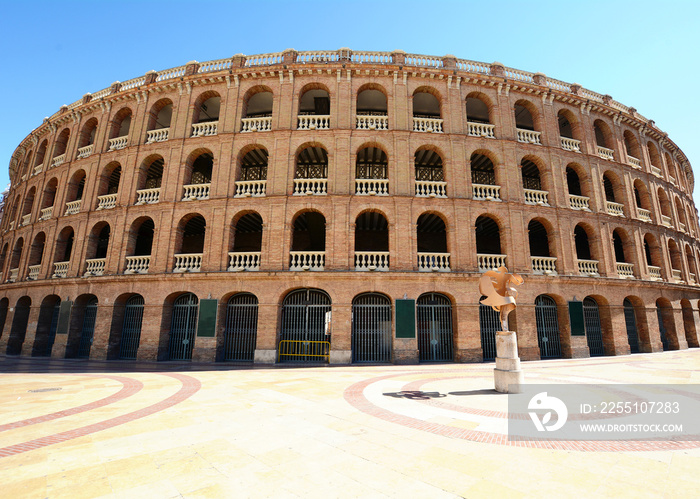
340	207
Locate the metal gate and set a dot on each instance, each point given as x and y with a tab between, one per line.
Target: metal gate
241	327
371	328
547	327
88	329
489	323
183	327
131	330
631	323
434	314
594	331
306	315
52	330
662	327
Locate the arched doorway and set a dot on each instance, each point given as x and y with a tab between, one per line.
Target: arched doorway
131	330
547	327
631	325
88	330
183	327
371	328
489	323
241	330
594	331
306	315
435	337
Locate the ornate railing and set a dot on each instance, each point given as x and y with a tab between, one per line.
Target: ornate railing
570	144
14	274
250	188
147	196
249	260
45	213
60	269
372	260
434	262
25	220
606	153
263	124
217	65
310	186
118	143
205	129
656	171
160	135
488	262
625	270
676	275
264	59
195	192
634	162
579	202
666	221
58	160
482	192
33	272
73	207
95	266
307	260
86	151
644	215
536	197
367	122
364	57
371	187
481	130
681	226
188	262
313	122
543	264
431	189
615	209
106	202
654	273
528	136
588	267
423	60
38	169
430	125
167	74
137	264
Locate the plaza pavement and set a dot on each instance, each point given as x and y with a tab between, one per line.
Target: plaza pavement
112	429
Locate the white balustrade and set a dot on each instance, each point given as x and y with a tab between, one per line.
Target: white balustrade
644	215
14	274
429	125
217	65
118	143
25	220
45	213
673	181
543	265
137	264
434	262
106	202
481	130
307	260
249	260
529	136
195	192
38	169
656	171
570	144
60	269
606	153
634	162
95	266
625	270
681	226
33	272
430	189
654	273
693	279
579	202
367	122
675	274
666	221
488	262
73	207
486	192
588	267
147	196
84	152
250	188
160	135
263	124
313	122
12	225
58	160
188	262
536	197
615	209
310	186
372	260
371	187
205	129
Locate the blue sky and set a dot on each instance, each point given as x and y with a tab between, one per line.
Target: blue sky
646	54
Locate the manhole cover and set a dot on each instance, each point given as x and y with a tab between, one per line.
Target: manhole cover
44	390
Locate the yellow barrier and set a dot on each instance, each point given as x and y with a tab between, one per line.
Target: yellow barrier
300	348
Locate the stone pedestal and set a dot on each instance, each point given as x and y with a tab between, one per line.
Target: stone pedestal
507	370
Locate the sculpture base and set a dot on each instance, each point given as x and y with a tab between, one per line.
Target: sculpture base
507	375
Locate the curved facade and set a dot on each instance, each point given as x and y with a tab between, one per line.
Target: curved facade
340	207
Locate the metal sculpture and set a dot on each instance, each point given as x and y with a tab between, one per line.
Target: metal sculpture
499	288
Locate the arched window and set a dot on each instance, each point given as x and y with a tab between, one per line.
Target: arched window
308	242
655	159
525	123
577	199
634	152
371	112
40	157
252	179
206	115
15	260
540	255
59	151
488	244
247	243
643	201
426	111
675	256
190	243
48	199
108	186
569	131
371	328
304	336
257	110
371	172
314	109
484	185
604	140
430	176
119	131
199	172
86	140
150	180
28	206
371	242
478	120
432	248
652	253
587	264
665	208
311	173
139	246
158	127
36	255
97	247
